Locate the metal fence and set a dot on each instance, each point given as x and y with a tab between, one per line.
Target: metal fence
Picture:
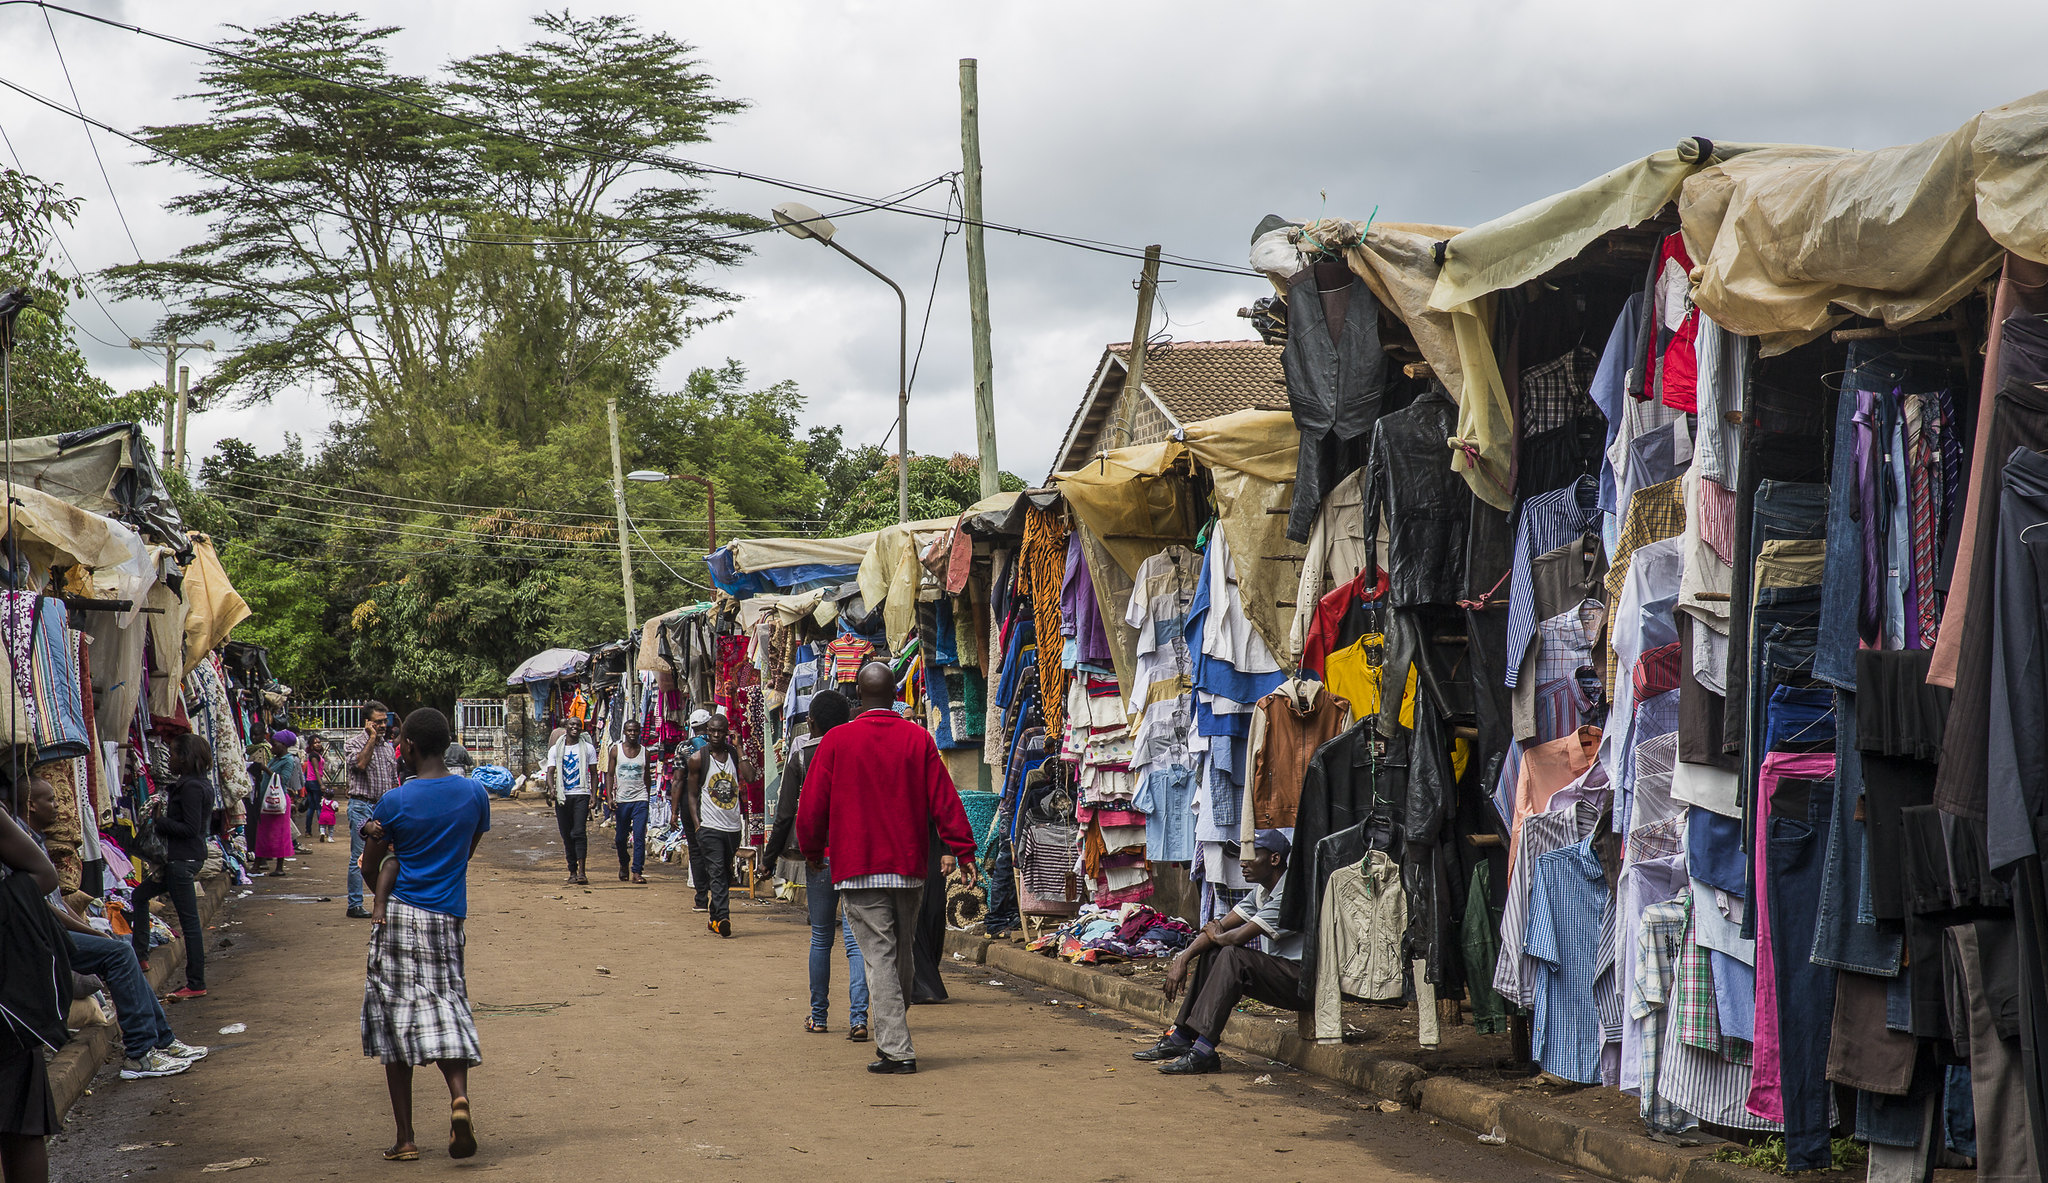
480	727
333	715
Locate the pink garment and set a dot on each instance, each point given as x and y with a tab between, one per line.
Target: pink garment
1766	1095
273	836
1546	768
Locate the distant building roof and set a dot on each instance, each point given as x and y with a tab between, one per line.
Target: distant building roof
1187	381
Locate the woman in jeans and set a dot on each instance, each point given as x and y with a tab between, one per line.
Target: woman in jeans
187	817
828	709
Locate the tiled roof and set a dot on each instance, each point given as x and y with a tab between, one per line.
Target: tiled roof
1192	380
1200	380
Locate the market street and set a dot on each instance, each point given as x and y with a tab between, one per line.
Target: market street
688	1059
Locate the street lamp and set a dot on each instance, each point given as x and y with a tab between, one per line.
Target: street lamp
710	496
804	222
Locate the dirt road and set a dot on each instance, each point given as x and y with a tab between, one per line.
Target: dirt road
623	1043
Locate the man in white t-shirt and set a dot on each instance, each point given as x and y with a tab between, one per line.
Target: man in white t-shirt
718	824
571	766
627	769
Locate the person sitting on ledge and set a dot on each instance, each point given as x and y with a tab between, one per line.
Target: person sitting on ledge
1227	969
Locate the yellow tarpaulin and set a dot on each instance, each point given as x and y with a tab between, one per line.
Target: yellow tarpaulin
1790	240
1249	454
1128	500
213	607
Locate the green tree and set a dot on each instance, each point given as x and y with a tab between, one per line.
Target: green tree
53	389
288	617
939	487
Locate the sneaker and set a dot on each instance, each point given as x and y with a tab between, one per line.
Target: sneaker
721	927
1169	1047
358	913
701	906
156	1063
185	994
184	1051
1193	1063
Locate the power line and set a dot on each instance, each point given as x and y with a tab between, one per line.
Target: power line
688	167
250	482
90	141
76	270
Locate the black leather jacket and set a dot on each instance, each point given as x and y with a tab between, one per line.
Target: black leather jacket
1333	388
1426	504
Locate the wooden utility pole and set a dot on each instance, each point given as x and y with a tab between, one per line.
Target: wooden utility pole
1148	287
172	348
611	410
977	276
184	410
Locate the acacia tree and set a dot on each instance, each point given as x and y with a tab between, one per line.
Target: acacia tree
417	246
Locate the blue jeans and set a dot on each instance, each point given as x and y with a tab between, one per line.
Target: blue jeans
823	900
358	813
1806	992
1842	938
144	1026
632	822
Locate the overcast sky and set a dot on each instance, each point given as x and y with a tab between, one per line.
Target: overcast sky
1179	123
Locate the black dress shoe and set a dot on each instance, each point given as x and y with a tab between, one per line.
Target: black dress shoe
888	1067
1168	1048
1193	1063
358	913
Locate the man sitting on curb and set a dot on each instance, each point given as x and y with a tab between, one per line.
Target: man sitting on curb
1227	969
145	1029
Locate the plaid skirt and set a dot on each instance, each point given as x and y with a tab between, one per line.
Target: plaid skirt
415	1005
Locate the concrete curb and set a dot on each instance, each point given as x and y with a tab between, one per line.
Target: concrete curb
1530	1126
76	1063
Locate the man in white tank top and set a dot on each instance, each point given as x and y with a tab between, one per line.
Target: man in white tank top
711	796
626	770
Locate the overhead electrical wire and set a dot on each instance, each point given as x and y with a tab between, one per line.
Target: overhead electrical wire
342	490
90	141
688	167
77	271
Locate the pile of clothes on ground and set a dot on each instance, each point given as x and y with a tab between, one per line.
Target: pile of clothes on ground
1101	935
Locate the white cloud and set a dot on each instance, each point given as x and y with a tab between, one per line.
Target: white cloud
1148	122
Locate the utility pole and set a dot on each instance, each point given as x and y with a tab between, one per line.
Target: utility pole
184	409
1148	286
977	276
611	410
172	348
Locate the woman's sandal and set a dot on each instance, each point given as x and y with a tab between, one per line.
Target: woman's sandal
461	1131
406	1154
815	1027
858	1033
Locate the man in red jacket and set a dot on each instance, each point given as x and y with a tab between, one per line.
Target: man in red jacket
875	789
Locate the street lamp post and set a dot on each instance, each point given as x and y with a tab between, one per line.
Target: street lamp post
804	222
710	497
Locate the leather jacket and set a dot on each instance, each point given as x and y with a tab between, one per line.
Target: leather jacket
1426	504
1334	386
1356	778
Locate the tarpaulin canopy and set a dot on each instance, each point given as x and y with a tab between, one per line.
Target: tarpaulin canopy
890	574
53	532
1789	241
107	470
1127	499
213	607
1520	246
549	665
763	554
1249	454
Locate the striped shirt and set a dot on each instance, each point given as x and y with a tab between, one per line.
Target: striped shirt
1549	520
1662	937
1569	906
1706	1084
879	879
1514	971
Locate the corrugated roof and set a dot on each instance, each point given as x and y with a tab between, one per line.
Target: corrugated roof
1190	380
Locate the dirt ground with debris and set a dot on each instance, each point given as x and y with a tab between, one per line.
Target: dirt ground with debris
622	1042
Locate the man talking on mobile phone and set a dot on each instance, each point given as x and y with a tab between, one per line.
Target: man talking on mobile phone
372	761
